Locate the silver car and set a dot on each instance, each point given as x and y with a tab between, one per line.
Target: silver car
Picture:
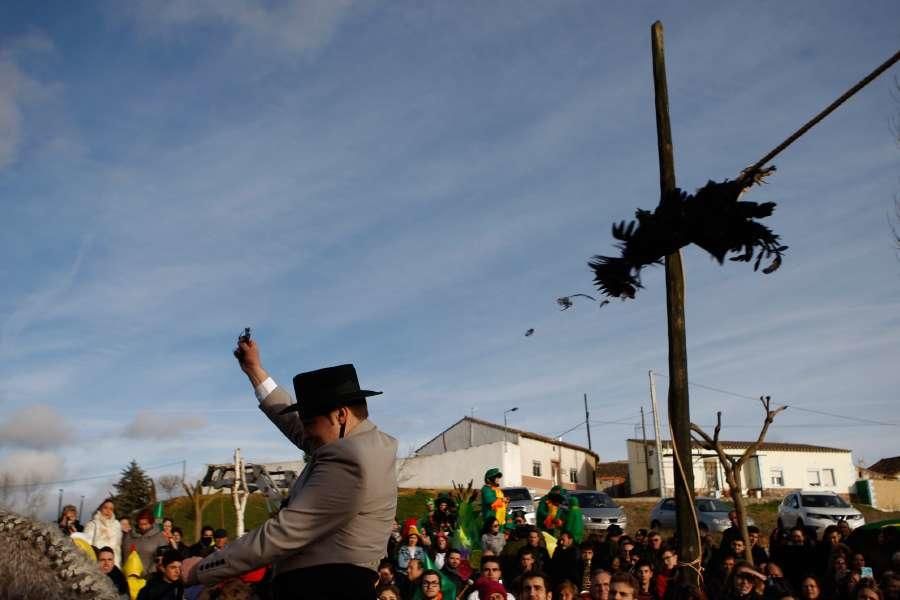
599	510
711	511
520	499
817	509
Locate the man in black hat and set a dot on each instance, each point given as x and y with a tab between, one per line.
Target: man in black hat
336	521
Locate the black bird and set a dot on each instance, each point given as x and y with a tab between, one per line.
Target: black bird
714	218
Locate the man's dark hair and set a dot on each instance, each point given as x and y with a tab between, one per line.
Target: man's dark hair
105	549
427	572
644	563
454	551
536	575
585	545
627	579
360	411
208	528
386	564
752	529
388	587
171	556
493	559
728	555
526	550
178	530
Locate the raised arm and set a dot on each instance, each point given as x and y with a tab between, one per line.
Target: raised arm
272	399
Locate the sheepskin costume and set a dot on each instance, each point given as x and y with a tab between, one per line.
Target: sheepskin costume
39	562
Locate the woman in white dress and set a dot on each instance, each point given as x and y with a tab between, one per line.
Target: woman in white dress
104	529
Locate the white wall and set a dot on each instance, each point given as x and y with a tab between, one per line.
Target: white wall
569	458
438	470
794	465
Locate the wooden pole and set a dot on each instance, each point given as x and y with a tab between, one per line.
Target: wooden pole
644	443
679	407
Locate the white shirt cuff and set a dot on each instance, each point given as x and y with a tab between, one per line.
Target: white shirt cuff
265	388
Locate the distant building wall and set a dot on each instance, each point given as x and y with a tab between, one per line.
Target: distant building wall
772	472
438	470
546	457
465	434
887	493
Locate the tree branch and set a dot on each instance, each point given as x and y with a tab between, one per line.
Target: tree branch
766	402
712	443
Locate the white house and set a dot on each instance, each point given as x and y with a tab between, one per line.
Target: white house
469	447
774	470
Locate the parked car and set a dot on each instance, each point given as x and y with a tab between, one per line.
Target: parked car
520	499
817	509
599	510
712	511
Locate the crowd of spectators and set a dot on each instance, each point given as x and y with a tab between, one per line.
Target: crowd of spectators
515	560
524	562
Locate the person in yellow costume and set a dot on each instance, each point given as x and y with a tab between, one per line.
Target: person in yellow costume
133	569
493	502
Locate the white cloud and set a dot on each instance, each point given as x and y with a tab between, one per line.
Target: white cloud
294	26
149	426
38	427
31	466
16	88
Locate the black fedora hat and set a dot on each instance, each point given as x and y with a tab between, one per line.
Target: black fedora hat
320	392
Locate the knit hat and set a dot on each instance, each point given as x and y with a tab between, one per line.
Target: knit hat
485	587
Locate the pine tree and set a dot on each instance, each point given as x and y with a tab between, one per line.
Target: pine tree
134	490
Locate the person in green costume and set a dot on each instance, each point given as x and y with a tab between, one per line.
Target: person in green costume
574	523
493	502
550	513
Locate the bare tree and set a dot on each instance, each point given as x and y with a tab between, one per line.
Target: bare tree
169	483
33	497
195	493
7	491
732	465
24	496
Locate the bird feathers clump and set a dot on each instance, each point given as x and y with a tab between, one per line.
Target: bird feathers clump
39	562
714	218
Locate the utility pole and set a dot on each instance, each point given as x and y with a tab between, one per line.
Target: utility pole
587	422
81	509
184	470
644	445
660	474
59	504
679	407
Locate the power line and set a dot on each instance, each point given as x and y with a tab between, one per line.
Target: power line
792	406
92	477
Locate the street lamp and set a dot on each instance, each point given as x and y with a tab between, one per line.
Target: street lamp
505	426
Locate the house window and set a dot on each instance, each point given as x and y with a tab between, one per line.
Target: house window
776	477
573	475
812	477
828	477
536	468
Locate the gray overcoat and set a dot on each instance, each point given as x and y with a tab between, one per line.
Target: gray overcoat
340	509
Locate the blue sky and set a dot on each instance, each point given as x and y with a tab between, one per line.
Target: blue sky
409	187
